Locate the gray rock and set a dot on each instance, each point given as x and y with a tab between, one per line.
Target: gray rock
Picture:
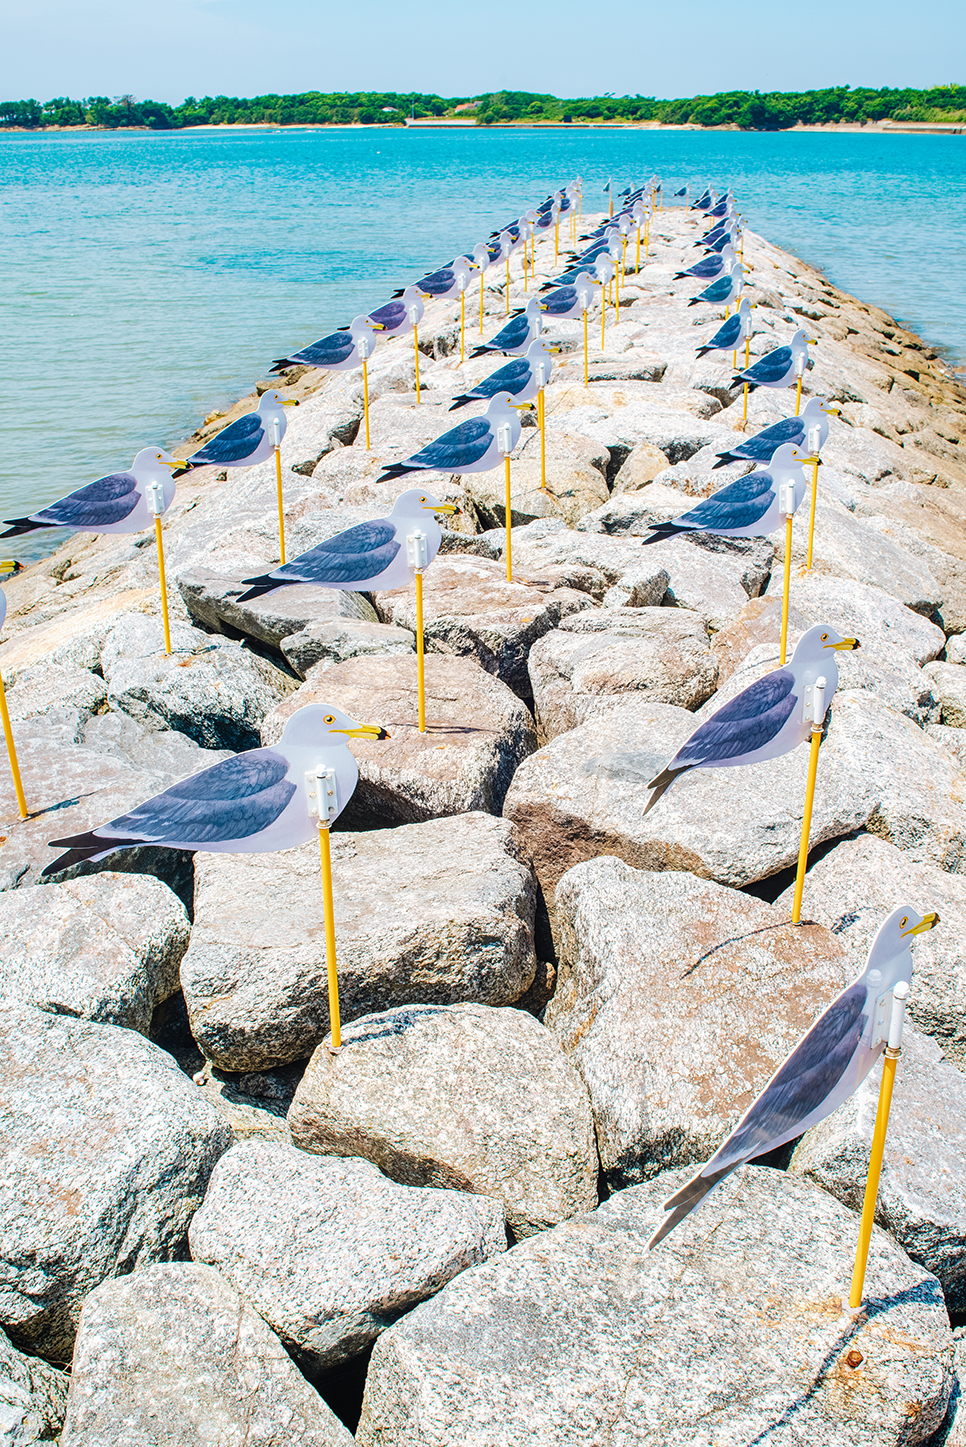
106	948
956	648
598	657
575	469
470	610
173	1354
548	550
949	685
327	1250
434	912
109	1151
849	548
211	689
857	885
38	689
732	1332
32	1398
922	1189
953	740
714	584
872	615
477	732
213	601
641	466
463	1097
719	973
342	639
953	1431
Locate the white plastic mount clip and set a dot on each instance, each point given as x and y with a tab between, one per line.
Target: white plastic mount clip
813	703
786	498
322	790
276	433
417	551
814	440
503	443
154	496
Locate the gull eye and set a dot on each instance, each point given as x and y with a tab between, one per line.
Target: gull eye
158	456
824	637
329	718
904	921
422	499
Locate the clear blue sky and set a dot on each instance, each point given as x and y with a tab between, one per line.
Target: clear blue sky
173	48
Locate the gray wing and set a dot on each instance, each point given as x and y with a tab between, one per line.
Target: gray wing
390	316
771	367
727	336
764	444
359	552
326	352
232	800
738	505
512	334
512	378
560	300
718	290
108	500
437	281
747	722
237	442
456	448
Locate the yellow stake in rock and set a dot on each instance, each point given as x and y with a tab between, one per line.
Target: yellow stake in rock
541	423
813	442
586	360
462	325
277	441
507	519
892	1052
154	494
328	907
420	655
815	742
12	754
365	394
786	585
481	301
416	356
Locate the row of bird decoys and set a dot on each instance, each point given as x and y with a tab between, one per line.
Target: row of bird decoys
278	797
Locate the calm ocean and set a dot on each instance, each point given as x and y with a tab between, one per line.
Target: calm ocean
150	278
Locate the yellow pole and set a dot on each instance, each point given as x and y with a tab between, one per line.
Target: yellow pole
508	284
744	410
798	394
281	510
481	301
462	325
328	907
12	754
637	264
542	424
811	514
509	545
415	349
889	1063
164	586
786	584
586	362
806	822
556	239
603	315
420	655
365	397
617	296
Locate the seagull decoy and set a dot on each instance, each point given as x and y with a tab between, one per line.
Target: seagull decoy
704	202
520	377
565	302
763	445
448	281
248	439
405	310
252	803
750	507
825	1068
727	337
475	445
516	336
338	352
122	502
779	368
725	289
370	555
726	238
710	266
766	719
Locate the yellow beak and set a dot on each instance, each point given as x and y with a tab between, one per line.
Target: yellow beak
290	402
929	922
365	731
847	643
449	507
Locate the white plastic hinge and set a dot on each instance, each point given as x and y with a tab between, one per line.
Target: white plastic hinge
417	550
414	314
814	439
503	441
542	373
881	1019
323	793
800	364
365	348
276	433
154	494
786	498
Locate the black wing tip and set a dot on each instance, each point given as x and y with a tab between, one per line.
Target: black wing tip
395	296
480	352
724	458
19	526
660	531
257	587
281	364
694	300
180	471
397	470
703	351
68	860
460	402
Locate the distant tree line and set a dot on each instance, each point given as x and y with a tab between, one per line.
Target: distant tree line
746	110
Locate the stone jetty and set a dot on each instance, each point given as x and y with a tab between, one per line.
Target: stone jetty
215	1231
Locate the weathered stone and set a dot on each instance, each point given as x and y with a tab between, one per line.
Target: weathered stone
40	688
108	1150
211	689
714	584
922	1189
949	685
477	732
728	980
105	948
597	657
953	740
956	649
213	601
591	562
32	1398
327	1250
173	1354
640	467
471	610
757	625
731	1332
857	885
337	641
464	1097
872	615
434	912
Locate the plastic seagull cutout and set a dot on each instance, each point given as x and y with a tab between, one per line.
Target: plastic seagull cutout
725	289
248	439
779	368
338	352
565	302
727	237
827	1065
122	502
522	377
710	266
764	721
253	803
762	447
405	310
735	329
752	506
369	555
475	445
447	281
516	336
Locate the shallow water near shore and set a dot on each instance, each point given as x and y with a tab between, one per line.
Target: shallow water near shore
152	277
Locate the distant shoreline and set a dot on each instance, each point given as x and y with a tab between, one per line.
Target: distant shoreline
885	128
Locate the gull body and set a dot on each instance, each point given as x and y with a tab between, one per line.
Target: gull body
523	377
514	338
762	447
402	312
369	555
727	337
339	351
118	503
248	439
725	289
448	281
473	446
252	803
565	302
711	266
749	507
779	368
827	1066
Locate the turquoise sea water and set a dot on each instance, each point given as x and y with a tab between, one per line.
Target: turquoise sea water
150	278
